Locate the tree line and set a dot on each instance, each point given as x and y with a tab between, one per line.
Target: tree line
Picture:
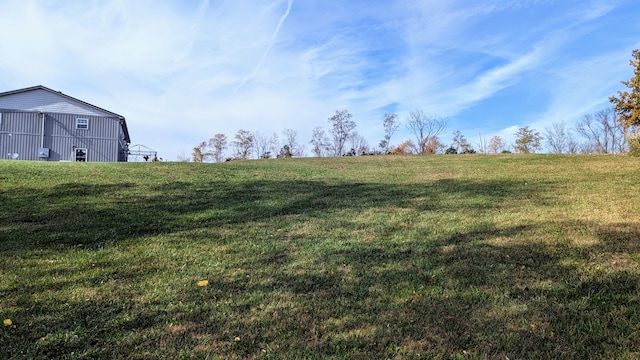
611	130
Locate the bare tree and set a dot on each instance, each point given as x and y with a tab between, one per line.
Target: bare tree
291	139
243	144
261	145
496	144
359	144
573	147
558	138
217	144
482	144
274	144
603	132
391	124
320	142
182	157
425	128
342	128
460	143
590	130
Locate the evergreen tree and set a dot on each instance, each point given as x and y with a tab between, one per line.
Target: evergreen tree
627	106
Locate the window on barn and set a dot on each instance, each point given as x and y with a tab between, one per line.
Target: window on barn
81	154
82	124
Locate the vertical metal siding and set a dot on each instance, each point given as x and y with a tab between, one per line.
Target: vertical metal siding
20	133
61	136
97	139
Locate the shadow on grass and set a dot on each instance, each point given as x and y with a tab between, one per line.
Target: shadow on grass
477	296
103	214
485	290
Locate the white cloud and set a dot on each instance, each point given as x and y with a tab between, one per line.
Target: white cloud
182	71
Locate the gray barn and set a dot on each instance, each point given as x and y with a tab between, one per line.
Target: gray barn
38	123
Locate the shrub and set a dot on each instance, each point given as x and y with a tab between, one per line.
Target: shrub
634	145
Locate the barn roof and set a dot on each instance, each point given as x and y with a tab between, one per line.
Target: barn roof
71	98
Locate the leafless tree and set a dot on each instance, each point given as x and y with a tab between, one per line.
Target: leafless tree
358	143
558	138
320	142
342	128
291	139
243	144
261	145
460	143
496	144
217	145
602	132
425	128
573	147
482	144
182	157
391	124
274	144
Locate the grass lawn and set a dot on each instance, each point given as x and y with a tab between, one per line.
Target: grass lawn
416	257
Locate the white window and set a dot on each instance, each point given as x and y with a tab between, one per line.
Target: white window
81	154
82	124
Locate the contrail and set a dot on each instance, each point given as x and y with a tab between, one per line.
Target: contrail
266	52
201	12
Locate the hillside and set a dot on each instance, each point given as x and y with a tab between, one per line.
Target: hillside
363	257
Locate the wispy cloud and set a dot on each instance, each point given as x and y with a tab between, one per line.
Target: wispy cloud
266	52
182	71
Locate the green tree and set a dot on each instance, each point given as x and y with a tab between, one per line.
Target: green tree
527	140
627	105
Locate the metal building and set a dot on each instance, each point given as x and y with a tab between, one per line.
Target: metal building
38	123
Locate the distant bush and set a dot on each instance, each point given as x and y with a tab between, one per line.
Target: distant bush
451	150
634	145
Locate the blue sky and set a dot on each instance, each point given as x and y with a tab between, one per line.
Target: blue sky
182	71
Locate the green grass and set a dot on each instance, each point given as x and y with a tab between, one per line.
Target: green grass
414	257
